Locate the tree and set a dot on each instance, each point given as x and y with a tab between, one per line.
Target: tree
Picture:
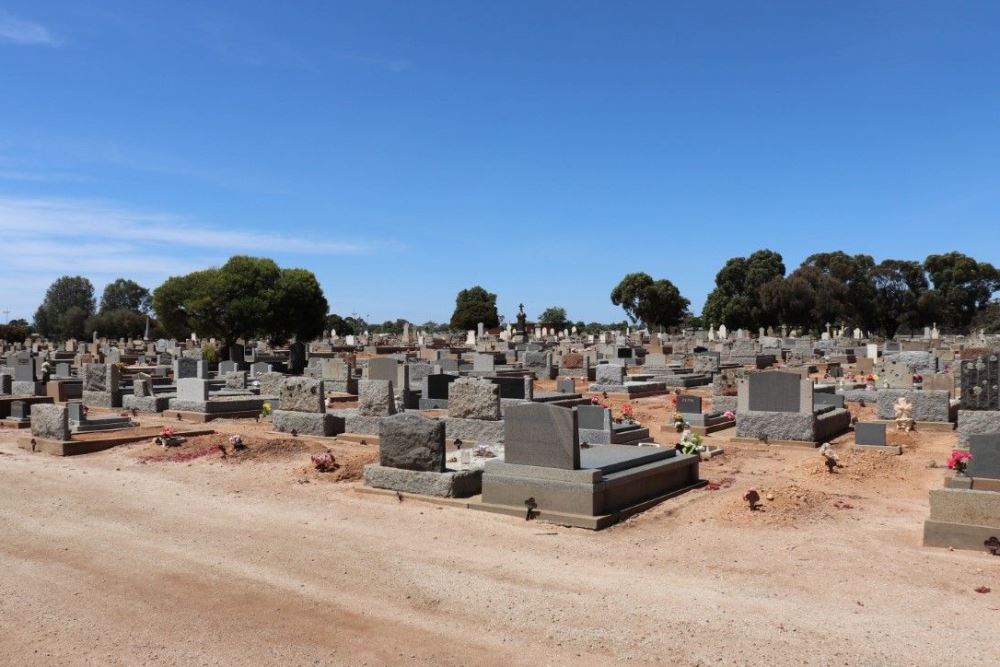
736	300
963	288
554	317
898	285
654	302
248	297
124	294
121	323
472	306
15	331
299	306
68	303
853	301
337	323
791	299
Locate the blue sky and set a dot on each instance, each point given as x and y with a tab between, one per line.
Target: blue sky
405	150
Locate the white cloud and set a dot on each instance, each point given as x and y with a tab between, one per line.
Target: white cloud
46	238
16	31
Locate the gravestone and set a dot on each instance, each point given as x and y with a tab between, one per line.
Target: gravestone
236	380
24	368
536	434
270	383
484	362
50	421
566	386
95	377
260	367
437	385
689	405
985	450
76	412
981	383
513	387
411	442
592	417
20	410
471	398
375	398
869	433
6	384
774	392
572	360
142	385
383	369
302	394
821	399
186	367
610	374
192	389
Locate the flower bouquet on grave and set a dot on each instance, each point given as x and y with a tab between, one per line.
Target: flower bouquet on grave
167	438
729	415
959	461
628	414
265	411
679	422
690	442
918	378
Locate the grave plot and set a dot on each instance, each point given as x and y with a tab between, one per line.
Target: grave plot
376	400
412	460
598	428
931	410
546	475
51	434
689	408
872	435
778	407
966	513
302	410
195	403
15	411
979	403
611	379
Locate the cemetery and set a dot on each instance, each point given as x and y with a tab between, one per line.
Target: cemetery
503	428
534	333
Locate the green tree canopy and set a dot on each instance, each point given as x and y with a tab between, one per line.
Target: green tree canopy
963	288
554	316
472	306
899	286
736	299
343	327
15	331
248	297
121	323
68	303
657	303
124	294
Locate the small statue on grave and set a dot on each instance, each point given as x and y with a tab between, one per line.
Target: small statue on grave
904	414
830	457
522	320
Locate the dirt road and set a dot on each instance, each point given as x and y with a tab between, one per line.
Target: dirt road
107	560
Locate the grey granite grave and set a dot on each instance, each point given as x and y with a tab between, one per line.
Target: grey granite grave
471	398
928	406
303	409
597	428
779	406
412	460
544	471
50	422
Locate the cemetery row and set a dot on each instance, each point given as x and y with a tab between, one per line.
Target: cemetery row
468	416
